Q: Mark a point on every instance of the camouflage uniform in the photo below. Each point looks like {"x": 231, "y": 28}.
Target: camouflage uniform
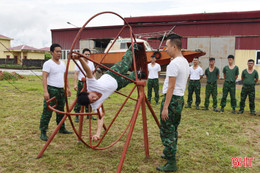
{"x": 229, "y": 86}
{"x": 194, "y": 85}
{"x": 77, "y": 106}
{"x": 122, "y": 67}
{"x": 47, "y": 114}
{"x": 211, "y": 87}
{"x": 168, "y": 130}
{"x": 153, "y": 83}
{"x": 248, "y": 89}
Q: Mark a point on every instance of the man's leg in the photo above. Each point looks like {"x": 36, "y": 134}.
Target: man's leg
{"x": 149, "y": 89}
{"x": 243, "y": 96}
{"x": 77, "y": 106}
{"x": 233, "y": 97}
{"x": 190, "y": 91}
{"x": 224, "y": 96}
{"x": 169, "y": 133}
{"x": 214, "y": 95}
{"x": 122, "y": 67}
{"x": 197, "y": 92}
{"x": 46, "y": 115}
{"x": 206, "y": 104}
{"x": 60, "y": 97}
{"x": 251, "y": 95}
{"x": 156, "y": 90}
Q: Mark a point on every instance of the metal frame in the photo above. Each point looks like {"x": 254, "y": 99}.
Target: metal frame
{"x": 141, "y": 101}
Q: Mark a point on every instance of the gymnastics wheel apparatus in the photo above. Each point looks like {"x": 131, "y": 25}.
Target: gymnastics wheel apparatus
{"x": 139, "y": 62}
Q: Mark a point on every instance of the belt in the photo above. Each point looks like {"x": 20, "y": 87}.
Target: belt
{"x": 230, "y": 81}
{"x": 195, "y": 80}
{"x": 211, "y": 82}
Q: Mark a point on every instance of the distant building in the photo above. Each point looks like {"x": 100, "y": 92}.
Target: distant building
{"x": 218, "y": 34}
{"x": 19, "y": 54}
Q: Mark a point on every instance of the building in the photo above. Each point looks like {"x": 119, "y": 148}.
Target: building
{"x": 218, "y": 34}
{"x": 22, "y": 54}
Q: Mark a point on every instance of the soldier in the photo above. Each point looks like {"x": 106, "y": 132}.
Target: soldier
{"x": 230, "y": 75}
{"x": 249, "y": 78}
{"x": 212, "y": 74}
{"x": 153, "y": 82}
{"x": 78, "y": 84}
{"x": 196, "y": 73}
{"x": 53, "y": 86}
{"x": 173, "y": 89}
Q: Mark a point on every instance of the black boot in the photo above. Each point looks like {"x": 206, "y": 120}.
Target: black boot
{"x": 64, "y": 131}
{"x": 43, "y": 136}
{"x": 170, "y": 166}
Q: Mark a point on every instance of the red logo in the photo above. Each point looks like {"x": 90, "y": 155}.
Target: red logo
{"x": 238, "y": 162}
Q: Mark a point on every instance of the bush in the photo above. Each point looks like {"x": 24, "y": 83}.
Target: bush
{"x": 10, "y": 76}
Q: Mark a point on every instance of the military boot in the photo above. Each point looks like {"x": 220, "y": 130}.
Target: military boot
{"x": 170, "y": 166}
{"x": 188, "y": 106}
{"x": 64, "y": 131}
{"x": 43, "y": 136}
{"x": 77, "y": 119}
{"x": 222, "y": 109}
{"x": 234, "y": 111}
{"x": 197, "y": 107}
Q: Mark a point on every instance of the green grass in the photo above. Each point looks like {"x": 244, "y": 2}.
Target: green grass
{"x": 208, "y": 139}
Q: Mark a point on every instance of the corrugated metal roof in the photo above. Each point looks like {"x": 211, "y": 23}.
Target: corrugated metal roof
{"x": 4, "y": 37}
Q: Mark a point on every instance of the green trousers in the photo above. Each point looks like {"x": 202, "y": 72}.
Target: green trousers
{"x": 194, "y": 85}
{"x": 47, "y": 114}
{"x": 122, "y": 67}
{"x": 153, "y": 84}
{"x": 211, "y": 89}
{"x": 168, "y": 130}
{"x": 229, "y": 87}
{"x": 250, "y": 91}
{"x": 78, "y": 106}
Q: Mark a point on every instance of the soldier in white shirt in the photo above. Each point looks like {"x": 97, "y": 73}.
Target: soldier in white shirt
{"x": 53, "y": 85}
{"x": 78, "y": 84}
{"x": 154, "y": 70}
{"x": 196, "y": 73}
{"x": 174, "y": 87}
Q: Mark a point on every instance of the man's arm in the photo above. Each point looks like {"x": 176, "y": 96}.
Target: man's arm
{"x": 76, "y": 73}
{"x": 171, "y": 86}
{"x": 44, "y": 84}
{"x": 68, "y": 86}
{"x": 86, "y": 68}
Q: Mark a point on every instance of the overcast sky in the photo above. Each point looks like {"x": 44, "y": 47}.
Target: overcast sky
{"x": 30, "y": 21}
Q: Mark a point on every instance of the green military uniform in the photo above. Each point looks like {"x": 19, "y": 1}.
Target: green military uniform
{"x": 168, "y": 130}
{"x": 248, "y": 89}
{"x": 122, "y": 67}
{"x": 229, "y": 86}
{"x": 194, "y": 85}
{"x": 211, "y": 87}
{"x": 153, "y": 83}
{"x": 47, "y": 114}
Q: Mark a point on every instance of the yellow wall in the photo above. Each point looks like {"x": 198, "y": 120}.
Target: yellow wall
{"x": 35, "y": 55}
{"x": 71, "y": 66}
{"x": 241, "y": 58}
{"x": 7, "y": 44}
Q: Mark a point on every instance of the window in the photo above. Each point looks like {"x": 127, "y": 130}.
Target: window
{"x": 7, "y": 56}
{"x": 257, "y": 58}
{"x": 65, "y": 53}
{"x": 123, "y": 46}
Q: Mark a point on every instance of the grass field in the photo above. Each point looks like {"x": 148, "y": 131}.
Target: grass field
{"x": 208, "y": 139}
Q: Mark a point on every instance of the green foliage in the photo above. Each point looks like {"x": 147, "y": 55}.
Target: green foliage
{"x": 9, "y": 76}
{"x": 47, "y": 56}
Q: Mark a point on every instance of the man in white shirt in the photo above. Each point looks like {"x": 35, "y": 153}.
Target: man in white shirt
{"x": 78, "y": 84}
{"x": 174, "y": 87}
{"x": 99, "y": 90}
{"x": 196, "y": 73}
{"x": 53, "y": 85}
{"x": 154, "y": 70}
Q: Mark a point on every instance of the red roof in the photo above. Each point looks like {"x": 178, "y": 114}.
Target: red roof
{"x": 23, "y": 47}
{"x": 2, "y": 36}
{"x": 45, "y": 49}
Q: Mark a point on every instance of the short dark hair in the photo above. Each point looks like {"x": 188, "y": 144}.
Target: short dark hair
{"x": 251, "y": 60}
{"x": 86, "y": 49}
{"x": 153, "y": 56}
{"x": 231, "y": 56}
{"x": 83, "y": 99}
{"x": 196, "y": 57}
{"x": 211, "y": 58}
{"x": 175, "y": 39}
{"x": 53, "y": 46}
